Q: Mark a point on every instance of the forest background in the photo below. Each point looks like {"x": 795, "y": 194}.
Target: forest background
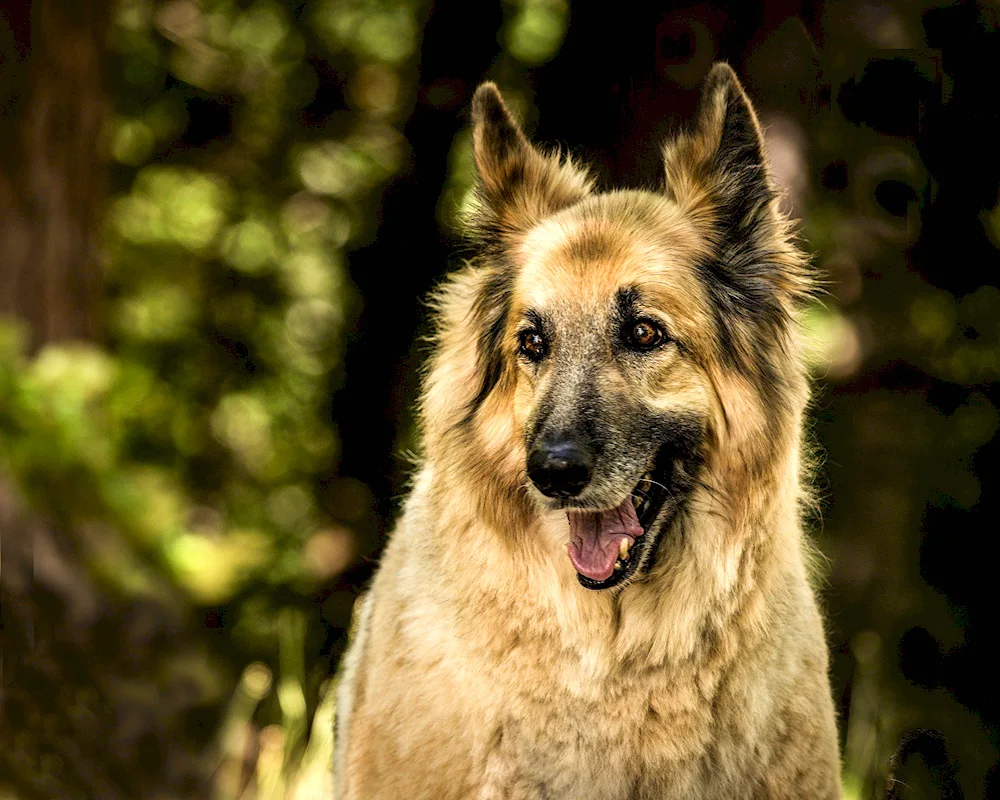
{"x": 218, "y": 222}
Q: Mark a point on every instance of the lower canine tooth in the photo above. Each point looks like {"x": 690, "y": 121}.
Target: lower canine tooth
{"x": 623, "y": 546}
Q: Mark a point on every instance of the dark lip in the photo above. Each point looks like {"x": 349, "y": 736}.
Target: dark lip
{"x": 644, "y": 547}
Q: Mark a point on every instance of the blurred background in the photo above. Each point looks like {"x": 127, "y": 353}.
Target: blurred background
{"x": 218, "y": 219}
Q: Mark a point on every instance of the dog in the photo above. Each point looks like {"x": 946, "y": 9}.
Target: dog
{"x": 600, "y": 587}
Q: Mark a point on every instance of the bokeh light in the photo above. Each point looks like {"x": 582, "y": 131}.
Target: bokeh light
{"x": 218, "y": 220}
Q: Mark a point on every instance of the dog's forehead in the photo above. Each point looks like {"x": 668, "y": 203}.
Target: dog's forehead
{"x": 585, "y": 259}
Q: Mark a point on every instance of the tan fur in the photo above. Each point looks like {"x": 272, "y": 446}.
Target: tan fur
{"x": 482, "y": 668}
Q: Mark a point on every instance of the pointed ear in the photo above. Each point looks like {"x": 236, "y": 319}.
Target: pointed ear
{"x": 725, "y": 152}
{"x": 518, "y": 185}
{"x": 719, "y": 174}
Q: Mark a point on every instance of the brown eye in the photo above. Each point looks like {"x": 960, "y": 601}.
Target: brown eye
{"x": 645, "y": 335}
{"x": 533, "y": 345}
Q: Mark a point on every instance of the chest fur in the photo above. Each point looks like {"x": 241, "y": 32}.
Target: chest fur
{"x": 557, "y": 722}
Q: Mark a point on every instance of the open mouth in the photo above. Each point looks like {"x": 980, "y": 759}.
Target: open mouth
{"x": 608, "y": 547}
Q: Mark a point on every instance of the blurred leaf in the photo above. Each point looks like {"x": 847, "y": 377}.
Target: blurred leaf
{"x": 536, "y": 29}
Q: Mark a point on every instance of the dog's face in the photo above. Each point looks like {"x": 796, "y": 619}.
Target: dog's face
{"x": 611, "y": 326}
{"x": 612, "y": 405}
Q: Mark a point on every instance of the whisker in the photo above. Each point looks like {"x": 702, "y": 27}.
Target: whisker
{"x": 657, "y": 483}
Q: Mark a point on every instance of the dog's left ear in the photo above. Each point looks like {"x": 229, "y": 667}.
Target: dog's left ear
{"x": 518, "y": 185}
{"x": 719, "y": 171}
{"x": 723, "y": 158}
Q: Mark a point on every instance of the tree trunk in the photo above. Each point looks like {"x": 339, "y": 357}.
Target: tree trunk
{"x": 55, "y": 718}
{"x": 52, "y": 176}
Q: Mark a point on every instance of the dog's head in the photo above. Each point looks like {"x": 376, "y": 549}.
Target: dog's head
{"x": 606, "y": 348}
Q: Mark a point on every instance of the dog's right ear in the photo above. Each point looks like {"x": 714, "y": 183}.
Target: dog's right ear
{"x": 518, "y": 185}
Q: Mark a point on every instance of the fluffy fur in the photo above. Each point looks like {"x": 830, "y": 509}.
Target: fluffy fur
{"x": 480, "y": 667}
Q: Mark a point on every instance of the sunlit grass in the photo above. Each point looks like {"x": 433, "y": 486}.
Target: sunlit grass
{"x": 278, "y": 761}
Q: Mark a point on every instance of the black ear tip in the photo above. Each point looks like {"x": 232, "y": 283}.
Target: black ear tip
{"x": 493, "y": 124}
{"x": 487, "y": 101}
{"x": 721, "y": 76}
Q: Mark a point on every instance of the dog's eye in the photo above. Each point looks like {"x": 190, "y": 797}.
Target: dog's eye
{"x": 533, "y": 345}
{"x": 646, "y": 335}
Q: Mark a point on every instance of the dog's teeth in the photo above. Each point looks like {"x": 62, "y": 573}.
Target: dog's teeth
{"x": 618, "y": 566}
{"x": 623, "y": 546}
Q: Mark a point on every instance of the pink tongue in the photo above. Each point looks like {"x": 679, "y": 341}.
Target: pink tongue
{"x": 594, "y": 538}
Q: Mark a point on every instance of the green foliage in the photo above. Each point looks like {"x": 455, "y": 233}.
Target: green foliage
{"x": 942, "y": 324}
{"x": 193, "y": 448}
{"x": 536, "y": 29}
{"x": 228, "y": 295}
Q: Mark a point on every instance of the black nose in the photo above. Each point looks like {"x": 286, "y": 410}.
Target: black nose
{"x": 560, "y": 468}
